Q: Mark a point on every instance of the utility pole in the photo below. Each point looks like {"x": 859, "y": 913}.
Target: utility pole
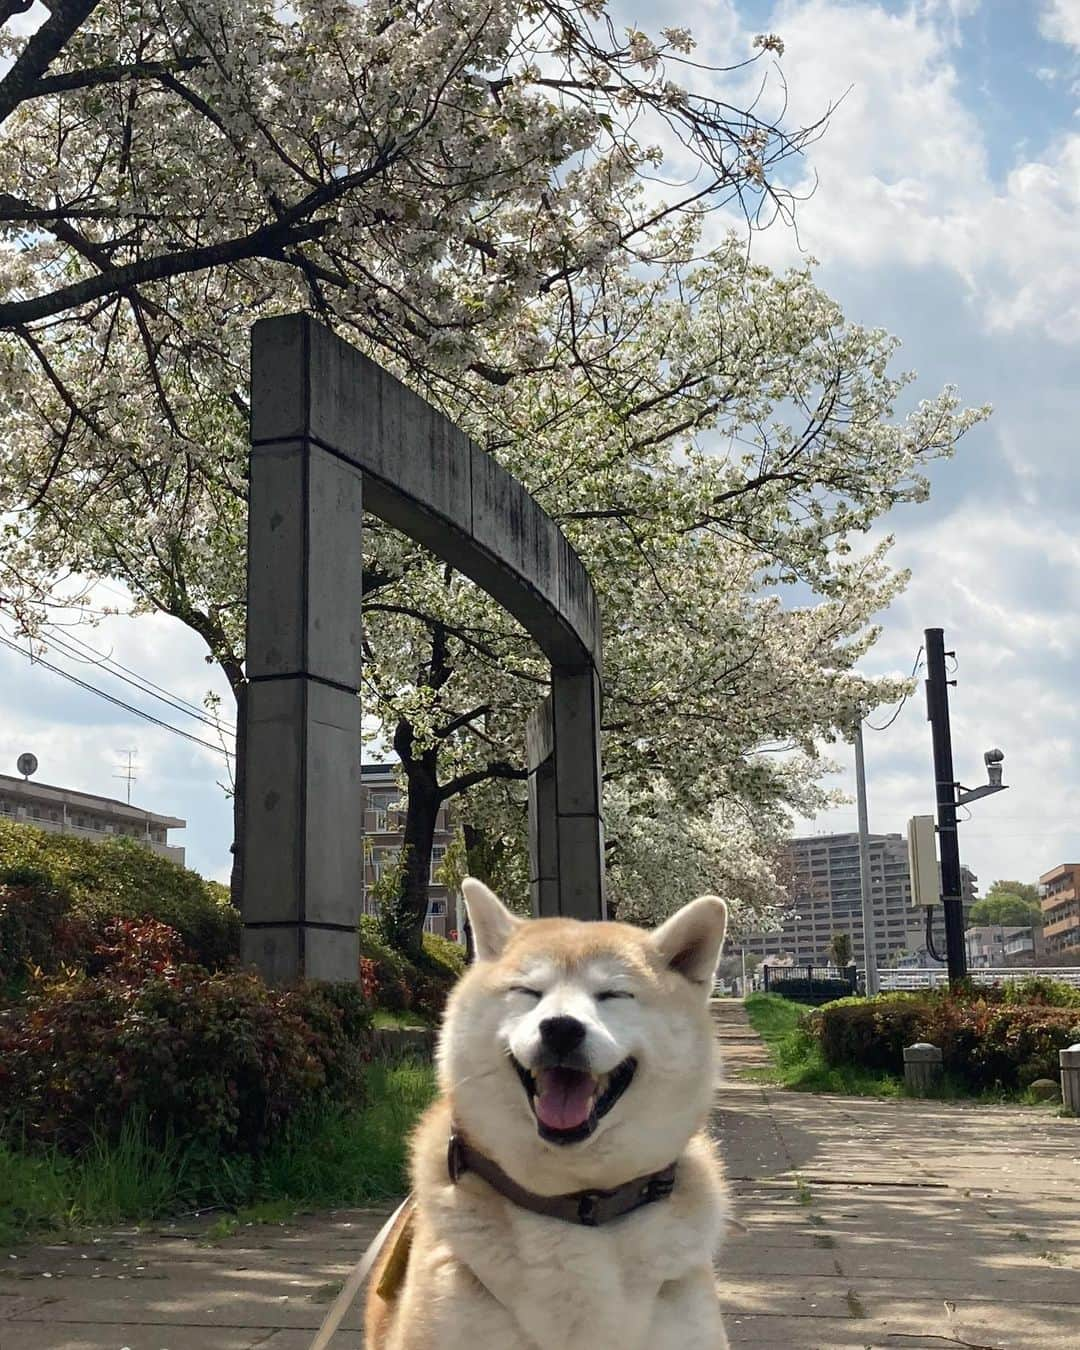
{"x": 869, "y": 945}
{"x": 937, "y": 712}
{"x": 129, "y": 776}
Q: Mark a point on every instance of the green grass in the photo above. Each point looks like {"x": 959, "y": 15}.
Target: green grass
{"x": 336, "y": 1158}
{"x": 799, "y": 1064}
{"x": 797, "y": 1059}
{"x": 383, "y": 1018}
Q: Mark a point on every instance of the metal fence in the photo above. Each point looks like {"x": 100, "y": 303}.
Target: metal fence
{"x": 930, "y": 979}
{"x": 809, "y": 983}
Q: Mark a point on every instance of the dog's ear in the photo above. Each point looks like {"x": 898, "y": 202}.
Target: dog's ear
{"x": 690, "y": 940}
{"x": 492, "y": 923}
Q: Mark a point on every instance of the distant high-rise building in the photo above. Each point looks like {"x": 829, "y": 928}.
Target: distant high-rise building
{"x": 823, "y": 881}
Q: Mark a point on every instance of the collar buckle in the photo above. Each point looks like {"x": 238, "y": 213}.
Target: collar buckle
{"x": 456, "y": 1162}
{"x": 588, "y": 1209}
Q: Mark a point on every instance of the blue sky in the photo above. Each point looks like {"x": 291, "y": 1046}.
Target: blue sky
{"x": 947, "y": 210}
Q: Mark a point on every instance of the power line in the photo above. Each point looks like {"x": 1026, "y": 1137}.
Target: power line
{"x": 119, "y": 702}
{"x": 140, "y": 682}
{"x": 900, "y": 706}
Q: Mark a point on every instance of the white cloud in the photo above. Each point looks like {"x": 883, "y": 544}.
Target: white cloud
{"x": 1059, "y": 21}
{"x": 902, "y": 174}
{"x": 81, "y": 740}
{"x": 974, "y": 574}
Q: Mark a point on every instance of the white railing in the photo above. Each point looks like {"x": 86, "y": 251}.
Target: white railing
{"x": 931, "y": 979}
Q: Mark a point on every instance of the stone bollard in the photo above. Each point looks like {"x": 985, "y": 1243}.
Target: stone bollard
{"x": 1070, "y": 1078}
{"x": 922, "y": 1068}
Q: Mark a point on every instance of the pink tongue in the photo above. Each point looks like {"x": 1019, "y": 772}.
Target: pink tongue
{"x": 564, "y": 1098}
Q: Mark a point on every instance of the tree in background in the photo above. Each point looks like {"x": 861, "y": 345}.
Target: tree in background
{"x": 840, "y": 950}
{"x": 422, "y": 178}
{"x": 1013, "y": 903}
{"x": 462, "y": 197}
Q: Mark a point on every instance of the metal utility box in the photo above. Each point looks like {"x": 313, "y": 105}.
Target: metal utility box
{"x": 922, "y": 862}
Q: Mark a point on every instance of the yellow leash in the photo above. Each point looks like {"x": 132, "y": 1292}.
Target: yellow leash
{"x": 357, "y": 1277}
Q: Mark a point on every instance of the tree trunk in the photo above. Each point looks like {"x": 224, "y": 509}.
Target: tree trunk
{"x": 403, "y": 917}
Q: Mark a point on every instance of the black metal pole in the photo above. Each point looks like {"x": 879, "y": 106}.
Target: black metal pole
{"x": 937, "y": 710}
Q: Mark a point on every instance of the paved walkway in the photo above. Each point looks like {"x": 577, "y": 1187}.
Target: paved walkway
{"x": 863, "y": 1224}
{"x": 895, "y": 1223}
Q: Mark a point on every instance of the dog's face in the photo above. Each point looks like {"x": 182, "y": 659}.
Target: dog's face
{"x": 574, "y": 1053}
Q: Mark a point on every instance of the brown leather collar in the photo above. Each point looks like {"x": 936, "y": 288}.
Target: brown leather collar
{"x": 591, "y": 1208}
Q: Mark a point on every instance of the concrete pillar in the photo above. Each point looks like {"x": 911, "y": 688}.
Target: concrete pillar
{"x": 1070, "y": 1078}
{"x": 303, "y": 814}
{"x": 922, "y": 1067}
{"x": 566, "y": 830}
{"x": 579, "y": 826}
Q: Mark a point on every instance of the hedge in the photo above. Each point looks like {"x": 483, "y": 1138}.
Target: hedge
{"x": 217, "y": 1058}
{"x": 390, "y": 980}
{"x": 58, "y": 891}
{"x": 988, "y": 1039}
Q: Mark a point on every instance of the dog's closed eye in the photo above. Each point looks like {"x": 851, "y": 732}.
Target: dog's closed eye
{"x": 605, "y": 994}
{"x": 524, "y": 989}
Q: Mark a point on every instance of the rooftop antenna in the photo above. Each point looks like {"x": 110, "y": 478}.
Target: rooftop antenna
{"x": 27, "y": 764}
{"x": 129, "y": 775}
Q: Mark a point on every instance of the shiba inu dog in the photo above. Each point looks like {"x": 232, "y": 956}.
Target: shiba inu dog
{"x": 565, "y": 1194}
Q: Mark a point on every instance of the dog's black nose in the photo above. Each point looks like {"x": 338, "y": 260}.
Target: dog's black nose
{"x": 561, "y": 1035}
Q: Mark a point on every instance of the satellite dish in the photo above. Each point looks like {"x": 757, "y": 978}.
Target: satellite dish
{"x": 27, "y": 764}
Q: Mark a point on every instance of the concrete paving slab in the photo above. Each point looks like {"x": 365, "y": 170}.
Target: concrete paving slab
{"x": 888, "y": 1225}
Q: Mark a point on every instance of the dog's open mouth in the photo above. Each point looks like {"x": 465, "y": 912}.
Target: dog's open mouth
{"x": 569, "y": 1103}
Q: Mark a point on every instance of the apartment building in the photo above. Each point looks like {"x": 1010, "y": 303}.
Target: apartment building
{"x": 997, "y": 945}
{"x": 824, "y": 883}
{"x": 64, "y": 811}
{"x": 384, "y": 821}
{"x": 1060, "y": 892}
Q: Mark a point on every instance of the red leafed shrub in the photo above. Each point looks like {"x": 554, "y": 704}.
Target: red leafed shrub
{"x": 134, "y": 949}
{"x": 58, "y": 892}
{"x": 391, "y": 981}
{"x": 214, "y": 1057}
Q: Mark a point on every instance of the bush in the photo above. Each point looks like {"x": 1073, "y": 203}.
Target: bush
{"x": 986, "y": 1042}
{"x": 58, "y": 892}
{"x": 216, "y": 1058}
{"x": 393, "y": 982}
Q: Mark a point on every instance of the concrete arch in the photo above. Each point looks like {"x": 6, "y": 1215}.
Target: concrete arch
{"x": 334, "y": 435}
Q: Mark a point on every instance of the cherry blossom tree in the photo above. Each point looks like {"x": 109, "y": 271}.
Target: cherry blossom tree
{"x": 460, "y": 189}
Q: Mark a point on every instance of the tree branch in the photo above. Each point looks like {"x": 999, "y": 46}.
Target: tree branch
{"x": 41, "y": 51}
{"x": 497, "y": 769}
{"x": 266, "y": 242}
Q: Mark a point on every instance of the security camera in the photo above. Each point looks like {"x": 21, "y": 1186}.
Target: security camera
{"x": 993, "y": 760}
{"x": 994, "y": 756}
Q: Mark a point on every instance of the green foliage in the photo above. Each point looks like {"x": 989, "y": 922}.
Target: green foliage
{"x": 1024, "y": 889}
{"x": 214, "y": 1059}
{"x": 989, "y": 1039}
{"x": 341, "y": 1156}
{"x": 840, "y": 950}
{"x": 798, "y": 1062}
{"x": 390, "y": 980}
{"x": 1008, "y": 909}
{"x": 57, "y": 892}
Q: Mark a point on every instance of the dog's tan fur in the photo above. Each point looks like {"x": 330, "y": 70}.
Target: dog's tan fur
{"x": 485, "y": 1274}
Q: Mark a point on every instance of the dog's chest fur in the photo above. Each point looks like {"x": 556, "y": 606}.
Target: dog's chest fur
{"x": 538, "y": 1282}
